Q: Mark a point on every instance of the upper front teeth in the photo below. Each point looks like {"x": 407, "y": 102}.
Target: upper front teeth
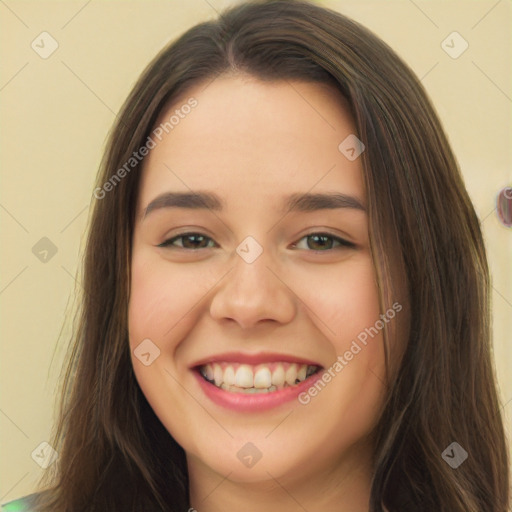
{"x": 262, "y": 376}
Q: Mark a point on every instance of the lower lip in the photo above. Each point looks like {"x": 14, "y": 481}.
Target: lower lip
{"x": 247, "y": 402}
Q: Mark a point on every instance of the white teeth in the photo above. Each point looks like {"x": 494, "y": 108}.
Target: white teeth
{"x": 218, "y": 374}
{"x": 291, "y": 374}
{"x": 209, "y": 373}
{"x": 261, "y": 378}
{"x": 278, "y": 377}
{"x": 229, "y": 376}
{"x": 243, "y": 377}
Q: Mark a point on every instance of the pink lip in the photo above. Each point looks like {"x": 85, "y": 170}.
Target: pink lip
{"x": 254, "y": 402}
{"x": 253, "y": 359}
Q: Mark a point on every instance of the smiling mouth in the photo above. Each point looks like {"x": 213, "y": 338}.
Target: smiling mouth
{"x": 260, "y": 378}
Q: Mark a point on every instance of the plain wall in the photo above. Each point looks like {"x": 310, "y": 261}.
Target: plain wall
{"x": 56, "y": 113}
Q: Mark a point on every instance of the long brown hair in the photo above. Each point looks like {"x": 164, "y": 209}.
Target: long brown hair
{"x": 114, "y": 454}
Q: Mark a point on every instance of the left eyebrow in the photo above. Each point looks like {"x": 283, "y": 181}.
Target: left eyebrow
{"x": 293, "y": 203}
{"x": 313, "y": 202}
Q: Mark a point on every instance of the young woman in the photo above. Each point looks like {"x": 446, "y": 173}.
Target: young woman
{"x": 286, "y": 289}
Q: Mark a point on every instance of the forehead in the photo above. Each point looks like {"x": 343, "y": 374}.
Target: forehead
{"x": 246, "y": 138}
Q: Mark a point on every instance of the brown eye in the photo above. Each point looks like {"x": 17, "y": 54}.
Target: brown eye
{"x": 189, "y": 241}
{"x": 323, "y": 242}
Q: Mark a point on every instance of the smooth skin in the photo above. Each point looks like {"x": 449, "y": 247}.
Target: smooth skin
{"x": 253, "y": 143}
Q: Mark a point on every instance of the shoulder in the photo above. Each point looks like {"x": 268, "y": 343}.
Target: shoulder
{"x": 24, "y": 504}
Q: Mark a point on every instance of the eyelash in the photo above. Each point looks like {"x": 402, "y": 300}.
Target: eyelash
{"x": 343, "y": 243}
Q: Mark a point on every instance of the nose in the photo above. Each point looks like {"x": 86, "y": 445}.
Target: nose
{"x": 253, "y": 293}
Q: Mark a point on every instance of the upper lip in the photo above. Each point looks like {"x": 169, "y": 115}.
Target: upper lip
{"x": 253, "y": 359}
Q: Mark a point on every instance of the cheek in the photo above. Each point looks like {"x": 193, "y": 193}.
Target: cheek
{"x": 343, "y": 299}
{"x": 162, "y": 297}
{"x": 360, "y": 383}
{"x": 149, "y": 299}
{"x": 359, "y": 288}
{"x": 360, "y": 313}
{"x": 360, "y": 338}
{"x": 161, "y": 309}
{"x": 349, "y": 308}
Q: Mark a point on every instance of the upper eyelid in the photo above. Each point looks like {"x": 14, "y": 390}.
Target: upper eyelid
{"x": 325, "y": 233}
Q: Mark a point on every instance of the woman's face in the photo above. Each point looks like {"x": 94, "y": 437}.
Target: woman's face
{"x": 264, "y": 282}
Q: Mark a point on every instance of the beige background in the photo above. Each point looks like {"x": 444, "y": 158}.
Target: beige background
{"x": 57, "y": 111}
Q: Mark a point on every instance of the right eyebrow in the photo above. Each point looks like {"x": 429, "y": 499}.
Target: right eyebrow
{"x": 194, "y": 200}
